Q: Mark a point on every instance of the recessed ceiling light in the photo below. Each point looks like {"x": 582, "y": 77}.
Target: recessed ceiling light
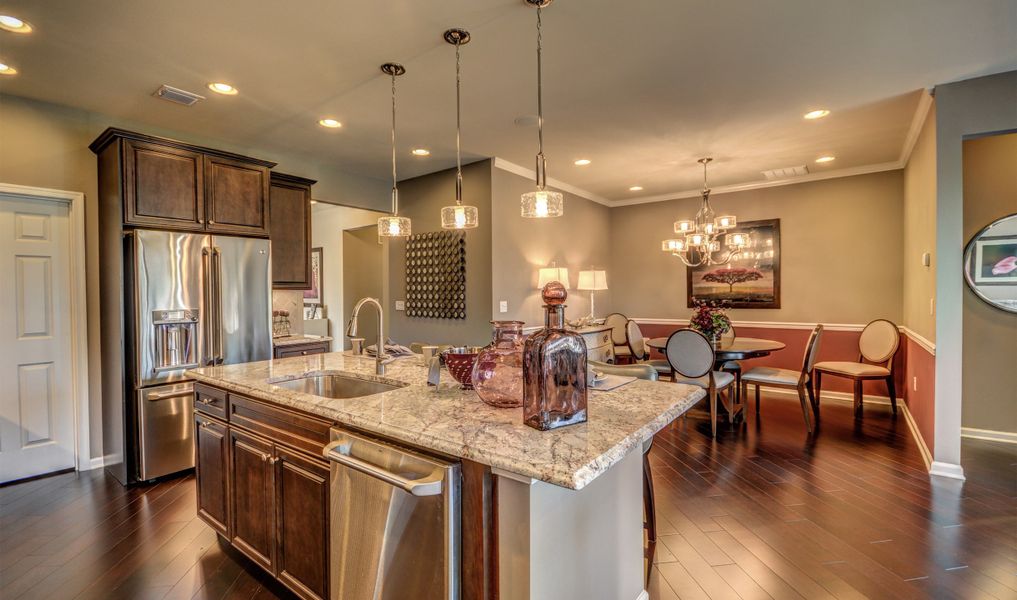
{"x": 582, "y": 162}
{"x": 826, "y": 159}
{"x": 223, "y": 88}
{"x": 7, "y": 69}
{"x": 819, "y": 113}
{"x": 421, "y": 152}
{"x": 636, "y": 188}
{"x": 330, "y": 123}
{"x": 14, "y": 24}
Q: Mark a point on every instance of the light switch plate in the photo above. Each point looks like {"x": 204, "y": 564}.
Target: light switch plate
{"x": 503, "y": 306}
{"x": 400, "y": 305}
{"x": 926, "y": 259}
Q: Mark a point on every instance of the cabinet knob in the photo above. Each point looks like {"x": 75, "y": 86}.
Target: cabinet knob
{"x": 204, "y": 424}
{"x": 303, "y": 353}
{"x": 201, "y": 221}
{"x": 273, "y": 460}
{"x": 206, "y": 401}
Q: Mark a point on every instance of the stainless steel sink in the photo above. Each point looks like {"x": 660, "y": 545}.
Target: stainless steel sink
{"x": 336, "y": 386}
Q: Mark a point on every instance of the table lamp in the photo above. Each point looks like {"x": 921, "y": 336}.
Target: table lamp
{"x": 592, "y": 281}
{"x": 549, "y": 274}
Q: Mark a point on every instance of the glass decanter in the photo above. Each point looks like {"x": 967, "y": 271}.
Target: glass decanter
{"x": 498, "y": 372}
{"x": 554, "y": 368}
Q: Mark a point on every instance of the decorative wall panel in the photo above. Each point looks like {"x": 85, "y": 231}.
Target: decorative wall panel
{"x": 436, "y": 275}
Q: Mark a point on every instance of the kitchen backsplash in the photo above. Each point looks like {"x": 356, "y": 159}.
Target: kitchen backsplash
{"x": 292, "y": 301}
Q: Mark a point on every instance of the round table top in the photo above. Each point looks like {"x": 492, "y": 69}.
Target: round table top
{"x": 733, "y": 349}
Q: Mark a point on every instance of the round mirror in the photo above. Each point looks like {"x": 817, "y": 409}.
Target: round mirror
{"x": 990, "y": 263}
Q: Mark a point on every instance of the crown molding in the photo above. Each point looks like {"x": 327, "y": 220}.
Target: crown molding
{"x": 917, "y": 121}
{"x": 511, "y": 167}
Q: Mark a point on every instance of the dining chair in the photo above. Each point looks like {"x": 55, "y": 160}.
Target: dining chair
{"x": 732, "y": 366}
{"x": 789, "y": 378}
{"x": 876, "y": 348}
{"x": 617, "y": 322}
{"x": 639, "y": 371}
{"x": 691, "y": 357}
{"x": 636, "y": 344}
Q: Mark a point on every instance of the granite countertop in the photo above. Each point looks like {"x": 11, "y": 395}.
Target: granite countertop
{"x": 295, "y": 340}
{"x": 457, "y": 423}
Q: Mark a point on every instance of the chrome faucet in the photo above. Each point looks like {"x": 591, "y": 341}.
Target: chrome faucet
{"x": 351, "y": 332}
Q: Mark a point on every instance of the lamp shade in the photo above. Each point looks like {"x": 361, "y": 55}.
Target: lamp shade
{"x": 592, "y": 281}
{"x": 549, "y": 274}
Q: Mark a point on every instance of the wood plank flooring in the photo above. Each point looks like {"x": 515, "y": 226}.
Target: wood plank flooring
{"x": 763, "y": 512}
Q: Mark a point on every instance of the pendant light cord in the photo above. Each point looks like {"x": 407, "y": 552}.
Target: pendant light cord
{"x": 459, "y": 155}
{"x": 395, "y": 190}
{"x": 541, "y": 161}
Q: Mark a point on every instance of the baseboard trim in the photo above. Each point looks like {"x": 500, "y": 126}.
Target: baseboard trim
{"x": 917, "y": 435}
{"x": 95, "y": 463}
{"x": 643, "y": 595}
{"x": 1006, "y": 437}
{"x": 949, "y": 470}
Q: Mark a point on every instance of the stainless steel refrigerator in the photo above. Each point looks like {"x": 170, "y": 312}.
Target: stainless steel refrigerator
{"x": 190, "y": 300}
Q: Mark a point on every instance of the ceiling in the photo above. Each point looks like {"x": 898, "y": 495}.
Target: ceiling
{"x": 642, "y": 88}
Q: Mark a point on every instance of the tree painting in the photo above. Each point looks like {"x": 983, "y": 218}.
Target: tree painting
{"x": 733, "y": 276}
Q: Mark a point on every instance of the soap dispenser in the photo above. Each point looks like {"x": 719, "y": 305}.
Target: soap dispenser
{"x": 554, "y": 368}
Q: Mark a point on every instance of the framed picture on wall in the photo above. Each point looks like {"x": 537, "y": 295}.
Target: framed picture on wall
{"x": 313, "y": 295}
{"x": 750, "y": 281}
{"x": 995, "y": 260}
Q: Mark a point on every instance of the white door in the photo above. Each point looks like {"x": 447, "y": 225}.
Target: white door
{"x": 36, "y": 395}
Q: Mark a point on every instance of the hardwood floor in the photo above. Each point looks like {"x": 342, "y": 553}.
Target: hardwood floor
{"x": 763, "y": 512}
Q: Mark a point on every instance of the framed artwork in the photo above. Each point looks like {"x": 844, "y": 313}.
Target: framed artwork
{"x": 436, "y": 275}
{"x": 750, "y": 281}
{"x": 313, "y": 295}
{"x": 995, "y": 260}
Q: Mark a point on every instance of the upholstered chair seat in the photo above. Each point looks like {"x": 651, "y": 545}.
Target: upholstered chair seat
{"x": 853, "y": 369}
{"x": 773, "y": 375}
{"x": 721, "y": 379}
{"x": 876, "y": 348}
{"x": 800, "y": 380}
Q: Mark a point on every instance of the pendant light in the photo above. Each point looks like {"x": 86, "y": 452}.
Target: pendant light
{"x": 394, "y": 226}
{"x": 458, "y": 216}
{"x": 542, "y": 203}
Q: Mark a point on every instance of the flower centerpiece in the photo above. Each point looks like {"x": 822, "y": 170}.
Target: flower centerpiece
{"x": 711, "y": 320}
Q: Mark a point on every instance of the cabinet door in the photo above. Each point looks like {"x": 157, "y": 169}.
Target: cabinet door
{"x": 236, "y": 198}
{"x": 212, "y": 472}
{"x": 163, "y": 186}
{"x": 252, "y": 488}
{"x": 290, "y": 220}
{"x": 302, "y": 500}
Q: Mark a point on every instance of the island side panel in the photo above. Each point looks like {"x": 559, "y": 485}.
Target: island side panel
{"x": 573, "y": 544}
{"x": 479, "y": 570}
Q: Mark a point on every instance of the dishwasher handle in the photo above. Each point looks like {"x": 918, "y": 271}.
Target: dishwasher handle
{"x": 431, "y": 485}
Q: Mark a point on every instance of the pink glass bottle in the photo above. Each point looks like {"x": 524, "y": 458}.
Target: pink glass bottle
{"x": 498, "y": 372}
{"x": 554, "y": 368}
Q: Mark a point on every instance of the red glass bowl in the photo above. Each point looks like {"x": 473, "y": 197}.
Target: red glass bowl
{"x": 459, "y": 362}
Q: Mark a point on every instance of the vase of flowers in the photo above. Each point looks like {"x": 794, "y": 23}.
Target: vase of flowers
{"x": 711, "y": 320}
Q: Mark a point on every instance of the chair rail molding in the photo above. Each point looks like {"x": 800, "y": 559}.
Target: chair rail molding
{"x": 75, "y": 202}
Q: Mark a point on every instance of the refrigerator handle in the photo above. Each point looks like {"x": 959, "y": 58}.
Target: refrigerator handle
{"x": 208, "y": 320}
{"x": 217, "y": 300}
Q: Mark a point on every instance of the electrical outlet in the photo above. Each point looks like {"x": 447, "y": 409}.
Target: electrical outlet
{"x": 503, "y": 306}
{"x": 914, "y": 383}
{"x": 400, "y": 305}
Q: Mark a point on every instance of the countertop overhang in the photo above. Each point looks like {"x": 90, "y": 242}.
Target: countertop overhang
{"x": 457, "y": 423}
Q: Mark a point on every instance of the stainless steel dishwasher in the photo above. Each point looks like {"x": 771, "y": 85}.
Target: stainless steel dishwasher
{"x": 394, "y": 520}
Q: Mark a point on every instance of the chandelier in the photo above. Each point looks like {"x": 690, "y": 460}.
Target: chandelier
{"x": 459, "y": 216}
{"x": 701, "y": 241}
{"x": 394, "y": 226}
{"x": 542, "y": 203}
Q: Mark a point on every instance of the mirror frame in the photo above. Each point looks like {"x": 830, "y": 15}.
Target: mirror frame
{"x": 969, "y": 250}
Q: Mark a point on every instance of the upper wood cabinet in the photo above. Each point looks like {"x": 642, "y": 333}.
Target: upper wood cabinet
{"x": 168, "y": 184}
{"x": 290, "y": 232}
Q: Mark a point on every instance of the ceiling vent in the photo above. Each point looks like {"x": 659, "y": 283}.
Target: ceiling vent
{"x": 177, "y": 95}
{"x": 786, "y": 172}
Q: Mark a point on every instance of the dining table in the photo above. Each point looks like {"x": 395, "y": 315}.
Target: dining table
{"x": 732, "y": 349}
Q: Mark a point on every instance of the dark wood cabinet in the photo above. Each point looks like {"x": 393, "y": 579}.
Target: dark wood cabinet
{"x": 212, "y": 472}
{"x": 252, "y": 494}
{"x": 290, "y": 231}
{"x": 163, "y": 186}
{"x": 167, "y": 184}
{"x": 302, "y": 486}
{"x": 236, "y": 196}
{"x": 301, "y": 349}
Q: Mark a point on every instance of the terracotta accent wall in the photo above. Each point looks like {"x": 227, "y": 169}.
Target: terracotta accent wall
{"x": 920, "y": 366}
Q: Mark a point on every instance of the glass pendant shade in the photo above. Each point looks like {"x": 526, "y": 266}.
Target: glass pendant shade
{"x": 543, "y": 204}
{"x": 684, "y": 226}
{"x": 737, "y": 240}
{"x": 459, "y": 217}
{"x": 727, "y": 221}
{"x": 673, "y": 245}
{"x": 695, "y": 240}
{"x": 394, "y": 226}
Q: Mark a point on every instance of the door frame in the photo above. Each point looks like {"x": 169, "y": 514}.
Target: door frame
{"x": 75, "y": 203}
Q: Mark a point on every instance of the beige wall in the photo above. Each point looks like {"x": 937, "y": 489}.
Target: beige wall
{"x": 521, "y": 246}
{"x": 920, "y": 232}
{"x": 421, "y": 199}
{"x": 840, "y": 251}
{"x": 363, "y": 277}
{"x": 990, "y": 334}
{"x": 46, "y": 145}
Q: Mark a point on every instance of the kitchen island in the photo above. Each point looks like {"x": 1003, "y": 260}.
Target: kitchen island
{"x": 553, "y": 514}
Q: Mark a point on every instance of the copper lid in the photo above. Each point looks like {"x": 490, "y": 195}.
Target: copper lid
{"x": 554, "y": 294}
